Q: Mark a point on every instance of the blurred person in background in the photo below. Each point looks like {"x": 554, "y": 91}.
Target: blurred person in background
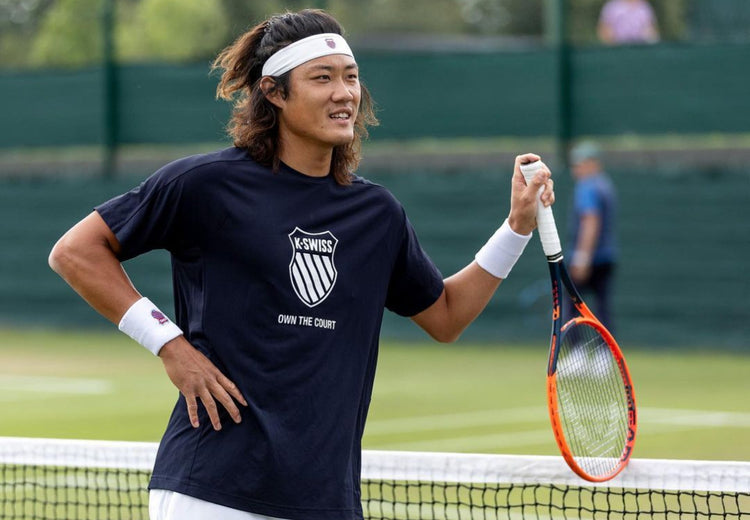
{"x": 627, "y": 21}
{"x": 592, "y": 224}
{"x": 283, "y": 262}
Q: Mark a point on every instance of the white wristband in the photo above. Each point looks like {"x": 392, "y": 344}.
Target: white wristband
{"x": 146, "y": 324}
{"x": 502, "y": 250}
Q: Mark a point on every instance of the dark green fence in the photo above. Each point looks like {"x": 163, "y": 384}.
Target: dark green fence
{"x": 681, "y": 89}
{"x": 52, "y": 108}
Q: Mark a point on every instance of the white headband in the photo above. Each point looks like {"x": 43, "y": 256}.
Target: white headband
{"x": 304, "y": 50}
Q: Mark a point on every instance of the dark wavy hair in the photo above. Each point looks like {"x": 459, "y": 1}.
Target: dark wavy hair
{"x": 254, "y": 125}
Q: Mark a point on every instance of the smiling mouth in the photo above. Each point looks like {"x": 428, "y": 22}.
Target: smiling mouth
{"x": 341, "y": 116}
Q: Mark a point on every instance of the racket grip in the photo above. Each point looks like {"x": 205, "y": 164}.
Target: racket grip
{"x": 545, "y": 219}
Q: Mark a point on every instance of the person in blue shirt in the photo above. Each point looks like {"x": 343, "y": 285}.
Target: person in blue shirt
{"x": 283, "y": 262}
{"x": 593, "y": 229}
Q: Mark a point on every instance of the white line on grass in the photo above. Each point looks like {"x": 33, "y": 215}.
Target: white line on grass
{"x": 426, "y": 423}
{"x": 13, "y": 387}
{"x": 492, "y": 441}
{"x": 696, "y": 418}
{"x": 531, "y": 414}
{"x": 653, "y": 420}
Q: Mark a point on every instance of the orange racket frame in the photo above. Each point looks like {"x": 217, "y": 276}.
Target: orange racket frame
{"x": 559, "y": 275}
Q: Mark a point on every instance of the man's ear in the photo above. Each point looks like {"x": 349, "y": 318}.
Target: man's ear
{"x": 272, "y": 94}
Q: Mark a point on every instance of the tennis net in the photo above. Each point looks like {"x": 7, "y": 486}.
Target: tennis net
{"x": 44, "y": 479}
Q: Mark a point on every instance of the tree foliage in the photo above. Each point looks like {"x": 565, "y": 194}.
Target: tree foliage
{"x": 467, "y": 17}
{"x": 70, "y": 35}
{"x": 69, "y": 32}
{"x": 174, "y": 30}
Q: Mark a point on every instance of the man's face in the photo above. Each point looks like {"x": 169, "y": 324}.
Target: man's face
{"x": 585, "y": 168}
{"x": 323, "y": 101}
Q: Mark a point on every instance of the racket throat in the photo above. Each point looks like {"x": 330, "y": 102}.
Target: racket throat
{"x": 556, "y": 317}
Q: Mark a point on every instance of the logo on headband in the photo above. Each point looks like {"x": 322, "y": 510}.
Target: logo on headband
{"x": 331, "y": 43}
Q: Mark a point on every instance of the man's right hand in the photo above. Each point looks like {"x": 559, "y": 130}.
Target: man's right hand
{"x": 523, "y": 200}
{"x": 197, "y": 378}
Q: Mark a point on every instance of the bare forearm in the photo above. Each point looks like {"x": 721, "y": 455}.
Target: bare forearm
{"x": 85, "y": 259}
{"x": 467, "y": 293}
{"x": 465, "y": 296}
{"x": 588, "y": 236}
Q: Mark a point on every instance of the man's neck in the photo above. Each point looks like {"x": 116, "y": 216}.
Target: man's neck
{"x": 306, "y": 158}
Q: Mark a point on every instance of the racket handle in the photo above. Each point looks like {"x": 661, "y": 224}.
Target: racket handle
{"x": 545, "y": 220}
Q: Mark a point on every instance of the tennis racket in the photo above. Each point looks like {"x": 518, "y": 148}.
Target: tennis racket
{"x": 589, "y": 390}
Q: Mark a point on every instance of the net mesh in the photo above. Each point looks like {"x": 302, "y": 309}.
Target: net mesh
{"x": 72, "y": 480}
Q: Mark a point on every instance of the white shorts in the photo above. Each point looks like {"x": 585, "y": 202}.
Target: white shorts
{"x": 168, "y": 505}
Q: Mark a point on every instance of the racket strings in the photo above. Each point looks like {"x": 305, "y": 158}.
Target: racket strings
{"x": 591, "y": 400}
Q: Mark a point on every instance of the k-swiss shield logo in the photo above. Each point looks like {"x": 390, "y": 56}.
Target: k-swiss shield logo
{"x": 312, "y": 271}
{"x": 331, "y": 43}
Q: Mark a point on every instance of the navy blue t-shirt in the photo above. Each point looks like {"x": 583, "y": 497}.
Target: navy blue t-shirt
{"x": 281, "y": 280}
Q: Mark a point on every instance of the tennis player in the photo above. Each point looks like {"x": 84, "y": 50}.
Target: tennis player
{"x": 283, "y": 262}
{"x": 592, "y": 225}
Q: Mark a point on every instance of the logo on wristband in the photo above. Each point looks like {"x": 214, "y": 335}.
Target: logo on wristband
{"x": 158, "y": 316}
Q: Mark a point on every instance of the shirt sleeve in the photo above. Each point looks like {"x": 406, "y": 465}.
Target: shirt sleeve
{"x": 149, "y": 216}
{"x": 586, "y": 200}
{"x": 415, "y": 282}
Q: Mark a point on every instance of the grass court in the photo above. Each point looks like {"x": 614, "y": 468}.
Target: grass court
{"x": 485, "y": 398}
